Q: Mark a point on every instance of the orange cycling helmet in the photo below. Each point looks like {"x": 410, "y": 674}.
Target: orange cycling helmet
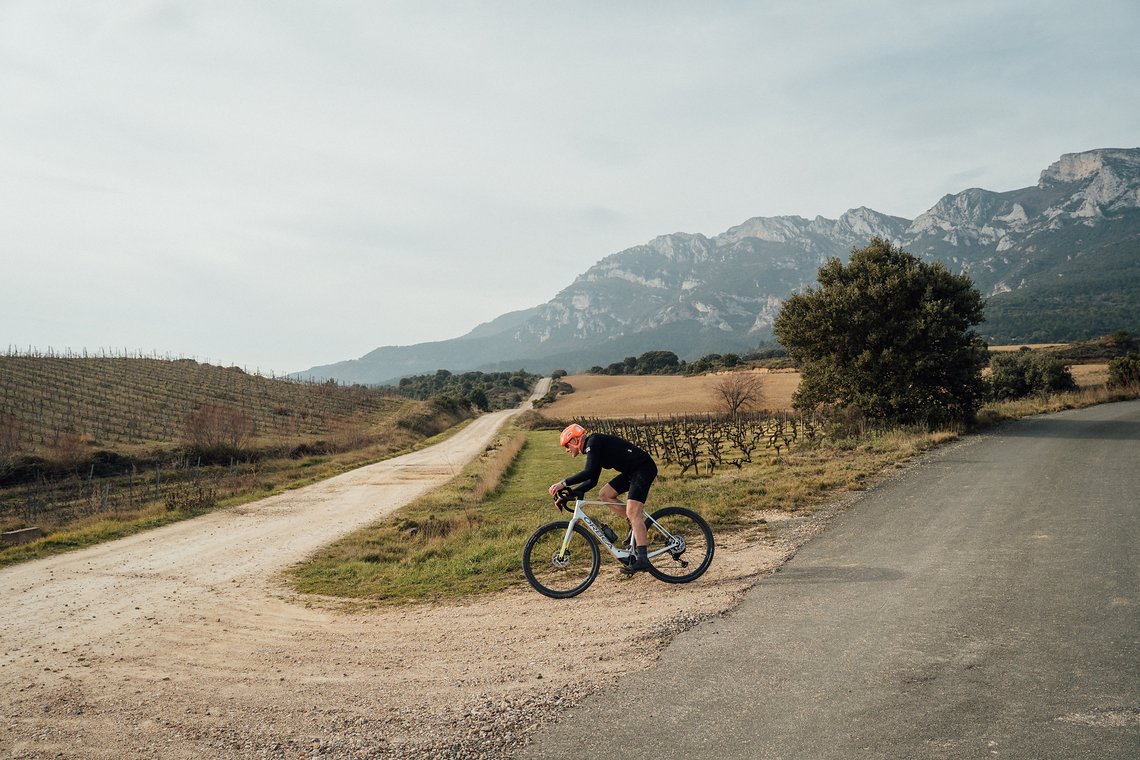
{"x": 574, "y": 432}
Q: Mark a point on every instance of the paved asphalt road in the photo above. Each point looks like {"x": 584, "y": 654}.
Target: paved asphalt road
{"x": 985, "y": 604}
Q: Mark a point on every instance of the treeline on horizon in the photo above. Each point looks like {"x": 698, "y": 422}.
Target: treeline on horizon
{"x": 485, "y": 391}
{"x": 1109, "y": 345}
{"x": 668, "y": 363}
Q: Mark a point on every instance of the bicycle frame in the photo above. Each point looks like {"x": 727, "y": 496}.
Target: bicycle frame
{"x": 618, "y": 554}
{"x": 561, "y": 558}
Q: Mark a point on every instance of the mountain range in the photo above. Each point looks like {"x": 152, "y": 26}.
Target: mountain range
{"x": 1058, "y": 261}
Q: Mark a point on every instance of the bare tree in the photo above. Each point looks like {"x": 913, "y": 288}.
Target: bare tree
{"x": 70, "y": 451}
{"x": 217, "y": 429}
{"x": 737, "y": 391}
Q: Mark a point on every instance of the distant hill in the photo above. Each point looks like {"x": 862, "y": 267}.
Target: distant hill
{"x": 1059, "y": 261}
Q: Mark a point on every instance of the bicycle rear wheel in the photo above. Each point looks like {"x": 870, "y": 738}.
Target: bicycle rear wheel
{"x": 684, "y": 542}
{"x": 557, "y": 574}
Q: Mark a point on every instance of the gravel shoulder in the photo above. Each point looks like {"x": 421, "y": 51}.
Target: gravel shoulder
{"x": 184, "y": 642}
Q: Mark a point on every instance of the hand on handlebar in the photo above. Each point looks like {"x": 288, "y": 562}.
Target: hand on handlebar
{"x": 563, "y": 496}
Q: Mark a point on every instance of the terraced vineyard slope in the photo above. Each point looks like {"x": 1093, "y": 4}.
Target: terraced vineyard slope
{"x": 107, "y": 445}
{"x": 135, "y": 404}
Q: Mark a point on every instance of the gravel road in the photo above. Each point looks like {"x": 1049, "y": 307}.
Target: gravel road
{"x": 183, "y": 642}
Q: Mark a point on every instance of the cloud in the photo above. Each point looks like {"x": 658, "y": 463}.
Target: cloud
{"x": 283, "y": 182}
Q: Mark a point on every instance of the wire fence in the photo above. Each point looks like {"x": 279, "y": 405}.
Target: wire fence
{"x": 180, "y": 485}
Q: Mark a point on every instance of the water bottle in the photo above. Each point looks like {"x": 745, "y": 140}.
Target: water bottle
{"x": 609, "y": 533}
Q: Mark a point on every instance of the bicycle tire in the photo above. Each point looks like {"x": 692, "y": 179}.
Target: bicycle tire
{"x": 696, "y": 553}
{"x": 560, "y": 578}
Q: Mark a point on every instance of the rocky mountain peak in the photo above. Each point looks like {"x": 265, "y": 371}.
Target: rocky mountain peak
{"x": 681, "y": 246}
{"x": 775, "y": 229}
{"x": 1107, "y": 180}
{"x": 864, "y": 223}
{"x": 969, "y": 208}
{"x": 854, "y": 226}
{"x": 1077, "y": 167}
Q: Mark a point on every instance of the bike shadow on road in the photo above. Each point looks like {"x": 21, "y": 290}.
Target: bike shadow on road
{"x": 837, "y": 574}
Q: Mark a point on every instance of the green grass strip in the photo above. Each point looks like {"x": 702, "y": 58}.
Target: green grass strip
{"x": 447, "y": 545}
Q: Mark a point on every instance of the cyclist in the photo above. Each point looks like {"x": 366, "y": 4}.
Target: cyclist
{"x": 636, "y": 471}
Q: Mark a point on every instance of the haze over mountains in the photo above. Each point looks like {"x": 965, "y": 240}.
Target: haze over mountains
{"x": 1057, "y": 261}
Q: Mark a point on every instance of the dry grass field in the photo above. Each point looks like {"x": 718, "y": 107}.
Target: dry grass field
{"x": 1089, "y": 375}
{"x": 667, "y": 395}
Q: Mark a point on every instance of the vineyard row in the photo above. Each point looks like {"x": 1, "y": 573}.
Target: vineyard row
{"x": 118, "y": 401}
{"x": 181, "y": 485}
{"x": 706, "y": 443}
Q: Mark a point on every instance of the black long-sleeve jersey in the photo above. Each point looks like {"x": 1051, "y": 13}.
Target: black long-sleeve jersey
{"x": 607, "y": 452}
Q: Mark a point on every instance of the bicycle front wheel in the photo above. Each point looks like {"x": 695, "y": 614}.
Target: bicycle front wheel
{"x": 680, "y": 545}
{"x": 556, "y": 573}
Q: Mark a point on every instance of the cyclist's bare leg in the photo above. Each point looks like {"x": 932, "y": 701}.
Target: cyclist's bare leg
{"x": 609, "y": 494}
{"x": 635, "y": 513}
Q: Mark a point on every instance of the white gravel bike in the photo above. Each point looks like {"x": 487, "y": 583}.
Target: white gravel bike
{"x": 562, "y": 558}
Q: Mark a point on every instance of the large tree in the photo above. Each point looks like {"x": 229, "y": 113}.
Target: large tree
{"x": 888, "y": 334}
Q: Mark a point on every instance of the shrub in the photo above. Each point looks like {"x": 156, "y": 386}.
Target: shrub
{"x": 649, "y": 363}
{"x": 1120, "y": 339}
{"x": 1026, "y": 373}
{"x": 70, "y": 452}
{"x": 427, "y": 418}
{"x": 478, "y": 399}
{"x": 557, "y": 388}
{"x": 216, "y": 432}
{"x": 532, "y": 420}
{"x": 1124, "y": 370}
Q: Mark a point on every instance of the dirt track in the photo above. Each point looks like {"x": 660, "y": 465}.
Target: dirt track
{"x": 183, "y": 642}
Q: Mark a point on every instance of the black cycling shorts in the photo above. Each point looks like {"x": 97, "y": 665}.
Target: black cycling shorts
{"x": 636, "y": 482}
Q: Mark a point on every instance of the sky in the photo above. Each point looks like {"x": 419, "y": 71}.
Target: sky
{"x": 277, "y": 184}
